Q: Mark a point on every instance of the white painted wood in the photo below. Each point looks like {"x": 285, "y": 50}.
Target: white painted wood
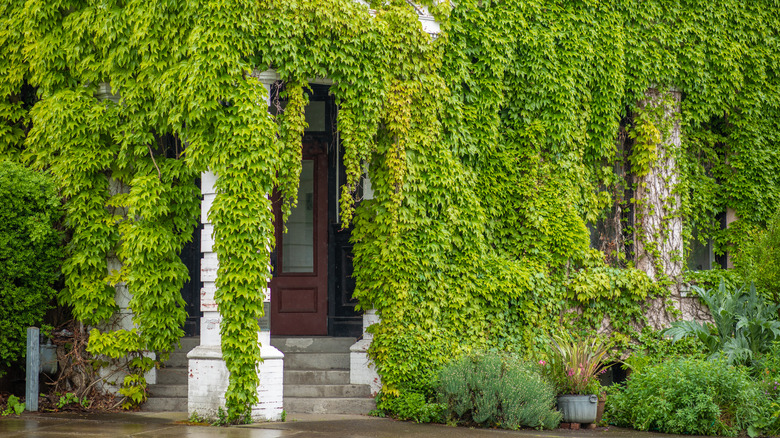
{"x": 207, "y": 238}
{"x": 205, "y": 206}
{"x": 209, "y": 328}
{"x": 207, "y": 180}
{"x": 208, "y": 267}
{"x": 207, "y": 303}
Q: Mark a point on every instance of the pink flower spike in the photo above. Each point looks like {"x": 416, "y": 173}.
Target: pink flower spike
{"x": 542, "y": 363}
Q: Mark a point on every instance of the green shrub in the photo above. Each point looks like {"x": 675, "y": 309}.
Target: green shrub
{"x": 656, "y": 344}
{"x": 711, "y": 278}
{"x": 492, "y": 390}
{"x": 411, "y": 405}
{"x": 689, "y": 396}
{"x": 759, "y": 259}
{"x": 654, "y": 347}
{"x": 768, "y": 374}
{"x": 29, "y": 255}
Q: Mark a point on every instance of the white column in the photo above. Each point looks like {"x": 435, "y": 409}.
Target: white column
{"x": 208, "y": 375}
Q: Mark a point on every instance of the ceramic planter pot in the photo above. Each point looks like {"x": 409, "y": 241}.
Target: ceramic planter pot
{"x": 578, "y": 408}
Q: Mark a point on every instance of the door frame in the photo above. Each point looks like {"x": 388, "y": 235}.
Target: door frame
{"x": 341, "y": 317}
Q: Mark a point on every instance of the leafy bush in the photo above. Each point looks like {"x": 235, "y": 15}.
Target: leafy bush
{"x": 29, "y": 255}
{"x": 759, "y": 259}
{"x": 689, "y": 396}
{"x": 769, "y": 372}
{"x": 654, "y": 347}
{"x": 411, "y": 405}
{"x": 711, "y": 278}
{"x": 492, "y": 390}
{"x": 769, "y": 382}
{"x": 70, "y": 398}
{"x": 656, "y": 344}
{"x": 745, "y": 324}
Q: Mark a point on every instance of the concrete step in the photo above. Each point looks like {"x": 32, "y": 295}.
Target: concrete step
{"x": 165, "y": 404}
{"x": 316, "y": 361}
{"x": 327, "y": 391}
{"x": 354, "y": 406}
{"x": 178, "y": 357}
{"x": 177, "y": 360}
{"x": 316, "y": 377}
{"x": 169, "y": 394}
{"x": 188, "y": 343}
{"x": 316, "y": 344}
{"x": 172, "y": 376}
{"x": 167, "y": 391}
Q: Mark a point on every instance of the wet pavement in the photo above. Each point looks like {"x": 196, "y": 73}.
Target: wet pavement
{"x": 170, "y": 425}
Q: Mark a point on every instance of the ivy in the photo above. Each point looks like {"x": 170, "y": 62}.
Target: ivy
{"x": 491, "y": 147}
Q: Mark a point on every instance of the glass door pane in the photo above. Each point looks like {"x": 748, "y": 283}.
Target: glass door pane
{"x": 298, "y": 242}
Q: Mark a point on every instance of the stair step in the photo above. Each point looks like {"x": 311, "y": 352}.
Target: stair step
{"x": 187, "y": 344}
{"x": 327, "y": 391}
{"x": 167, "y": 391}
{"x": 324, "y": 344}
{"x": 165, "y": 404}
{"x": 177, "y": 359}
{"x": 354, "y": 406}
{"x": 316, "y": 361}
{"x": 316, "y": 377}
{"x": 172, "y": 376}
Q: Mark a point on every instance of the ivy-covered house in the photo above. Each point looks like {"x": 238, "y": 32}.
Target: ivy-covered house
{"x": 457, "y": 178}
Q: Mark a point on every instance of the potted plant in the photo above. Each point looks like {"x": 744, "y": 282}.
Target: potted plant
{"x": 573, "y": 366}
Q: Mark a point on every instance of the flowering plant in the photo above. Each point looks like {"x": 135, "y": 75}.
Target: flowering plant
{"x": 573, "y": 365}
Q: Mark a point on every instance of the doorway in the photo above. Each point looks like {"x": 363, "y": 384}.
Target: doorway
{"x": 312, "y": 285}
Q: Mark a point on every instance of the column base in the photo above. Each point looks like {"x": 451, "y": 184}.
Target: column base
{"x": 208, "y": 382}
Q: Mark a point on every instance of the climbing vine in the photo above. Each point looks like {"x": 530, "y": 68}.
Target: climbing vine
{"x": 493, "y": 147}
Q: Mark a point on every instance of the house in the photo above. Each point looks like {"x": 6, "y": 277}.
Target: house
{"x": 310, "y": 295}
{"x": 505, "y": 154}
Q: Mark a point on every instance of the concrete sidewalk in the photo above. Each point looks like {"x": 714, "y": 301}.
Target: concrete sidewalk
{"x": 170, "y": 425}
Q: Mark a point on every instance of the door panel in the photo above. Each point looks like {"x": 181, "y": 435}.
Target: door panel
{"x": 299, "y": 299}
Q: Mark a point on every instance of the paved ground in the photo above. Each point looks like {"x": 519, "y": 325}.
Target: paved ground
{"x": 170, "y": 425}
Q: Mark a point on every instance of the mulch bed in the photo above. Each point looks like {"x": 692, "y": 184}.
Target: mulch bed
{"x": 95, "y": 402}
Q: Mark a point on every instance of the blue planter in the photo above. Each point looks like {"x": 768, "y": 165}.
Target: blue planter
{"x": 578, "y": 408}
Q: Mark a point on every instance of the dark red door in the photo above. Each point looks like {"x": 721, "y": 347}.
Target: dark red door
{"x": 299, "y": 287}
